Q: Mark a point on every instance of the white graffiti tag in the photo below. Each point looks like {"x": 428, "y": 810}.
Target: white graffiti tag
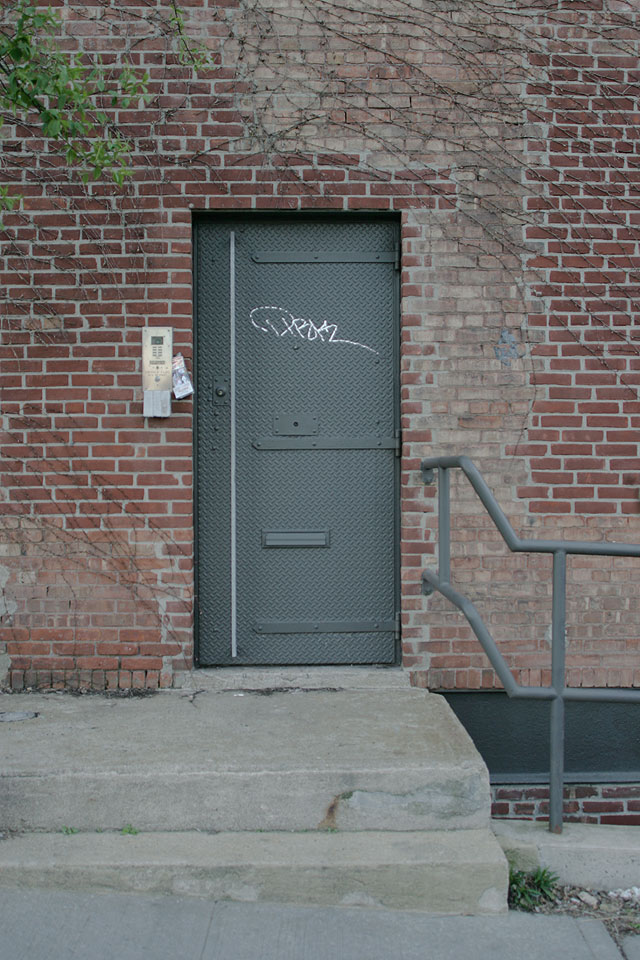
{"x": 279, "y": 321}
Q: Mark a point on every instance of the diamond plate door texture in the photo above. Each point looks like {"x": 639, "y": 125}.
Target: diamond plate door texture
{"x": 315, "y": 400}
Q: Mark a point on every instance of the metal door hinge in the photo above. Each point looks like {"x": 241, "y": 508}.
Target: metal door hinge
{"x": 398, "y": 442}
{"x": 396, "y": 262}
{"x": 397, "y": 630}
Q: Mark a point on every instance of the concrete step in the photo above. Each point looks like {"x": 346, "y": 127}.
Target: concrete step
{"x": 229, "y": 758}
{"x": 445, "y": 872}
{"x": 591, "y": 855}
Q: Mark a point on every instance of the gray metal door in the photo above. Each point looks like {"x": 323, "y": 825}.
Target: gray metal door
{"x": 296, "y": 440}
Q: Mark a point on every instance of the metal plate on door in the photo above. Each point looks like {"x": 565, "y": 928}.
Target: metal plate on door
{"x": 221, "y": 393}
{"x": 298, "y": 425}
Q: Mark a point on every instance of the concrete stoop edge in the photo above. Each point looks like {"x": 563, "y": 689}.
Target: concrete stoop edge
{"x": 440, "y": 872}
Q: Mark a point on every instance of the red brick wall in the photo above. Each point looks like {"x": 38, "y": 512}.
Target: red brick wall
{"x": 583, "y": 434}
{"x": 583, "y": 803}
{"x": 517, "y": 315}
{"x": 574, "y": 462}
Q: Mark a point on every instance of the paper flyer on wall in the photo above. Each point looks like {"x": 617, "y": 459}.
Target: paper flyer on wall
{"x": 182, "y": 386}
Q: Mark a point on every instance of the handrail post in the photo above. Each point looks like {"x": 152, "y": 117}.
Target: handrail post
{"x": 444, "y": 525}
{"x": 558, "y": 658}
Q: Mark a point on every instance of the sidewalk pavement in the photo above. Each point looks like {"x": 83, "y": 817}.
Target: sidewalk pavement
{"x": 65, "y": 925}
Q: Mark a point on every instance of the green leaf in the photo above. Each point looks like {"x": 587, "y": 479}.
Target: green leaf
{"x": 526, "y": 890}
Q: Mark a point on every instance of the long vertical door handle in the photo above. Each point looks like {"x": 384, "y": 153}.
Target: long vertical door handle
{"x": 232, "y": 439}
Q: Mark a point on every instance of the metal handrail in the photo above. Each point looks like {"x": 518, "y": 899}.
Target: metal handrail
{"x": 439, "y": 580}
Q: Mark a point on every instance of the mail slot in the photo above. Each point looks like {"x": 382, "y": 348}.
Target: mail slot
{"x": 295, "y": 538}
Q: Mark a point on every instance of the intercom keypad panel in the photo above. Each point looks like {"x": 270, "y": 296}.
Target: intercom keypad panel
{"x": 157, "y": 350}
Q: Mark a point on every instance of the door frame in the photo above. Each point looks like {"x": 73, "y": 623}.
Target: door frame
{"x": 198, "y": 220}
